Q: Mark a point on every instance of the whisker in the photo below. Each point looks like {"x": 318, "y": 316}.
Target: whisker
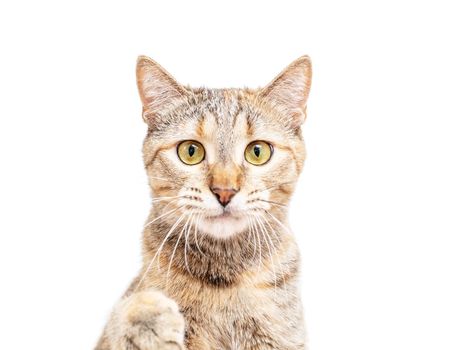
{"x": 271, "y": 187}
{"x": 269, "y": 225}
{"x": 187, "y": 235}
{"x": 277, "y": 255}
{"x": 175, "y": 247}
{"x": 196, "y": 234}
{"x": 158, "y": 252}
{"x": 279, "y": 222}
{"x": 155, "y": 199}
{"x": 248, "y": 219}
{"x": 161, "y": 178}
{"x": 166, "y": 238}
{"x": 271, "y": 202}
{"x": 265, "y": 236}
{"x": 161, "y": 216}
{"x": 259, "y": 242}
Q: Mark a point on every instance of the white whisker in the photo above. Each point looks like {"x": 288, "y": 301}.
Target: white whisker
{"x": 157, "y": 199}
{"x": 278, "y": 222}
{"x": 265, "y": 236}
{"x": 250, "y": 230}
{"x": 277, "y": 255}
{"x": 161, "y": 216}
{"x": 160, "y": 178}
{"x": 271, "y": 187}
{"x": 272, "y": 202}
{"x": 187, "y": 235}
{"x": 196, "y": 234}
{"x": 271, "y": 227}
{"x": 175, "y": 247}
{"x": 259, "y": 241}
{"x": 157, "y": 253}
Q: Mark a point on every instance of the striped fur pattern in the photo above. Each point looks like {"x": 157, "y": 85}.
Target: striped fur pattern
{"x": 216, "y": 277}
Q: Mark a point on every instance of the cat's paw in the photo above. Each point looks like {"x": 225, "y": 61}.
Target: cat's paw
{"x": 148, "y": 321}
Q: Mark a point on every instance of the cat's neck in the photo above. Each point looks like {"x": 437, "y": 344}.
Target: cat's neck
{"x": 219, "y": 262}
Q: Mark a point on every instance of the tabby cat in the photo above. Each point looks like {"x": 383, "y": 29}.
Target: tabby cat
{"x": 220, "y": 266}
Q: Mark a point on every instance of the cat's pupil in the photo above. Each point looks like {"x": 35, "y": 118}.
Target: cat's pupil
{"x": 191, "y": 150}
{"x": 257, "y": 151}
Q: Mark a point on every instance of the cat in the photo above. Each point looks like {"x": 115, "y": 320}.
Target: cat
{"x": 220, "y": 266}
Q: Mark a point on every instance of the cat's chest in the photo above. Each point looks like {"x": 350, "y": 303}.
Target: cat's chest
{"x": 240, "y": 320}
{"x": 223, "y": 304}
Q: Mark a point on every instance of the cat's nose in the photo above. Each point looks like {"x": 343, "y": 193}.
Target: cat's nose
{"x": 224, "y": 195}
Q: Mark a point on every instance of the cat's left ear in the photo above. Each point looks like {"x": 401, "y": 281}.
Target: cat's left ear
{"x": 289, "y": 91}
{"x": 158, "y": 89}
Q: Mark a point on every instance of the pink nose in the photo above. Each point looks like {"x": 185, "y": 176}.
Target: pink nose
{"x": 224, "y": 195}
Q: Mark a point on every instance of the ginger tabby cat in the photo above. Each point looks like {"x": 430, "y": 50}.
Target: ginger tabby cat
{"x": 220, "y": 267}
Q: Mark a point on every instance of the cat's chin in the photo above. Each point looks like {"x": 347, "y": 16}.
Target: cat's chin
{"x": 223, "y": 226}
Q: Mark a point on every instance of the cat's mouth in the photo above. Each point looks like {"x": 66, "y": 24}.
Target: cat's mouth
{"x": 223, "y": 225}
{"x": 222, "y": 216}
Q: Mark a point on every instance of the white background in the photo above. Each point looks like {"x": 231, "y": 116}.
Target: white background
{"x": 372, "y": 210}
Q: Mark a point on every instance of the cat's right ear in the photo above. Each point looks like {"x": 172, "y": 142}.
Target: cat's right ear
{"x": 158, "y": 89}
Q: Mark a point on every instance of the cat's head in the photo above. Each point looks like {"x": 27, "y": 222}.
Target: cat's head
{"x": 225, "y": 160}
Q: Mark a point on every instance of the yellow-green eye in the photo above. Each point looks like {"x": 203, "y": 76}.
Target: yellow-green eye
{"x": 190, "y": 152}
{"x": 258, "y": 152}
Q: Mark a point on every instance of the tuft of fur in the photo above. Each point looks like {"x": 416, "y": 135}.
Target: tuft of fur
{"x": 217, "y": 277}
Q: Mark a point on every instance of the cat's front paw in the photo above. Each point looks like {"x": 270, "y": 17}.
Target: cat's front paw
{"x": 148, "y": 321}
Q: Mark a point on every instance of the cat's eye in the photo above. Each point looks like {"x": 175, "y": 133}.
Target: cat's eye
{"x": 258, "y": 152}
{"x": 190, "y": 152}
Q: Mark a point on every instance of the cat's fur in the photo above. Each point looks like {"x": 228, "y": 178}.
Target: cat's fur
{"x": 209, "y": 281}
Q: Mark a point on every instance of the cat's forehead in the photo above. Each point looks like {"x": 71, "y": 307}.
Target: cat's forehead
{"x": 222, "y": 118}
{"x": 224, "y": 104}
{"x": 220, "y": 114}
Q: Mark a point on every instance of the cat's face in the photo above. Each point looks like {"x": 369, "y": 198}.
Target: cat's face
{"x": 226, "y": 160}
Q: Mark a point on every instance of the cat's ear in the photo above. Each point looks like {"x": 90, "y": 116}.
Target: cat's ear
{"x": 290, "y": 89}
{"x": 158, "y": 89}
